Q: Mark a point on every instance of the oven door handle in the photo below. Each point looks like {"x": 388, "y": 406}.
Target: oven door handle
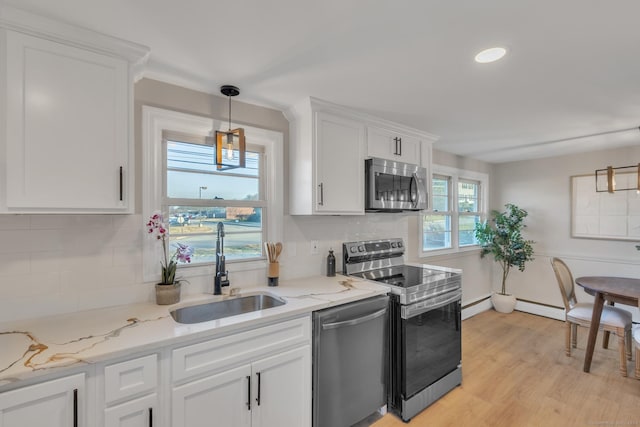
{"x": 409, "y": 311}
{"x": 356, "y": 321}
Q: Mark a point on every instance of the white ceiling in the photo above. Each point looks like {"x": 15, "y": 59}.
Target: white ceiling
{"x": 573, "y": 66}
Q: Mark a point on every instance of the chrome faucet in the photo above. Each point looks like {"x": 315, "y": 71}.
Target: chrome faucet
{"x": 222, "y": 275}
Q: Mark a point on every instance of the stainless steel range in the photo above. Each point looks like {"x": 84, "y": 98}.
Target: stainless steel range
{"x": 425, "y": 315}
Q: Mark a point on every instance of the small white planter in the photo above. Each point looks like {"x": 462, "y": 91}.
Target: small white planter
{"x": 503, "y": 303}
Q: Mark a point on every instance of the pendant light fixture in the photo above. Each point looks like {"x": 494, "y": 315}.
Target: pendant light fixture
{"x": 230, "y": 146}
{"x": 630, "y": 176}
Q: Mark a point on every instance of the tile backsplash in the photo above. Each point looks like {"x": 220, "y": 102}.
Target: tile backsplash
{"x": 52, "y": 264}
{"x": 64, "y": 263}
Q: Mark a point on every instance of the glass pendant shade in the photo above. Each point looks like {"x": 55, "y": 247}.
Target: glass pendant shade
{"x": 230, "y": 149}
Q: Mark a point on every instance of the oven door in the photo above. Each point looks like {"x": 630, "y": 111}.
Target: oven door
{"x": 394, "y": 186}
{"x": 427, "y": 346}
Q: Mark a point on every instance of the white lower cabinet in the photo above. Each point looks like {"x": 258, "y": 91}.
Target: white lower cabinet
{"x": 270, "y": 392}
{"x": 257, "y": 378}
{"x": 282, "y": 396}
{"x": 55, "y": 403}
{"x": 223, "y": 398}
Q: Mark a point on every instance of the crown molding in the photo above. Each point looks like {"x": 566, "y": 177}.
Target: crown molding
{"x": 26, "y": 22}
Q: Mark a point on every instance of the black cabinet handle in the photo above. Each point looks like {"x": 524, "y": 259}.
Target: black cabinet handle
{"x": 150, "y": 417}
{"x": 321, "y": 203}
{"x": 248, "y": 392}
{"x": 398, "y": 142}
{"x": 120, "y": 183}
{"x": 75, "y": 407}
{"x": 258, "y": 398}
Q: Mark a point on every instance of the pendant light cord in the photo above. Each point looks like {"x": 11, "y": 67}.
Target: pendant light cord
{"x": 229, "y": 112}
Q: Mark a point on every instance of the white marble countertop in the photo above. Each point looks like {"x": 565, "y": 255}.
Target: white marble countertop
{"x": 30, "y": 348}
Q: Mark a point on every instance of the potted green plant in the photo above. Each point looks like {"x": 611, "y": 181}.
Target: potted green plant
{"x": 502, "y": 238}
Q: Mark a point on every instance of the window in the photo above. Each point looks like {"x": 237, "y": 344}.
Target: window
{"x": 458, "y": 199}
{"x": 436, "y": 228}
{"x": 468, "y": 211}
{"x": 198, "y": 197}
{"x": 179, "y": 179}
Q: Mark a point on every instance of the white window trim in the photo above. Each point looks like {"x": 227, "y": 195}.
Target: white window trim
{"x": 456, "y": 174}
{"x": 154, "y": 121}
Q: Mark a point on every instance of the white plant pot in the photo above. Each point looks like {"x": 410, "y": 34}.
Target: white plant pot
{"x": 503, "y": 303}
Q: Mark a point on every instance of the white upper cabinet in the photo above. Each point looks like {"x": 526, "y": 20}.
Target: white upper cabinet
{"x": 326, "y": 168}
{"x": 68, "y": 118}
{"x": 391, "y": 145}
{"x": 327, "y": 148}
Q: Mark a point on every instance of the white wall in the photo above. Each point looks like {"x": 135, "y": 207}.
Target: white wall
{"x": 542, "y": 187}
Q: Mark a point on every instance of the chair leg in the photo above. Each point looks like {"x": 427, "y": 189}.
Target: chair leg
{"x": 638, "y": 363}
{"x": 605, "y": 339}
{"x": 623, "y": 352}
{"x": 629, "y": 338}
{"x": 574, "y": 336}
{"x": 568, "y": 329}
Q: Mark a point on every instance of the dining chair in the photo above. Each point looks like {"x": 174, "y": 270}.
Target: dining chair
{"x": 636, "y": 339}
{"x": 613, "y": 320}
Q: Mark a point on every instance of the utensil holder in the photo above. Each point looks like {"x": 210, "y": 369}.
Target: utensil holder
{"x": 273, "y": 273}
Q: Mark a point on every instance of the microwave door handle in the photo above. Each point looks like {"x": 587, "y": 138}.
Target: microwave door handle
{"x": 413, "y": 189}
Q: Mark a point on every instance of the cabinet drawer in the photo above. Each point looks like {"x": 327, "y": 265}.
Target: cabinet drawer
{"x": 138, "y": 412}
{"x": 133, "y": 377}
{"x": 215, "y": 354}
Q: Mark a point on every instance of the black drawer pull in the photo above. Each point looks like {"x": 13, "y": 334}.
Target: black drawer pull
{"x": 75, "y": 407}
{"x": 248, "y": 392}
{"x": 258, "y": 398}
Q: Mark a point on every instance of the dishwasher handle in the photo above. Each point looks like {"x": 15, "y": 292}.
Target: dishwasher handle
{"x": 356, "y": 321}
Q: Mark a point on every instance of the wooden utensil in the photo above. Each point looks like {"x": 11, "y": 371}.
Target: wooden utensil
{"x": 278, "y": 250}
{"x": 268, "y": 249}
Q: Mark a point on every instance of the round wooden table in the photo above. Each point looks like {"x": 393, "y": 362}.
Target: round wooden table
{"x": 623, "y": 290}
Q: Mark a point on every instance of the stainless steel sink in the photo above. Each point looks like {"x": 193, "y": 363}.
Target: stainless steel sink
{"x": 226, "y": 308}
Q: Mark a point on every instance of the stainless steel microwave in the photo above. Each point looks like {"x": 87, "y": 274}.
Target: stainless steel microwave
{"x": 394, "y": 186}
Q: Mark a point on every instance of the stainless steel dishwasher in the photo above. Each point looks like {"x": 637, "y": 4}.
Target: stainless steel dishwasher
{"x": 350, "y": 345}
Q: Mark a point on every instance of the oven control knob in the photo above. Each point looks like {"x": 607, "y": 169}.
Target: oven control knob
{"x": 394, "y": 244}
{"x": 360, "y": 248}
{"x": 352, "y": 249}
{"x": 399, "y": 244}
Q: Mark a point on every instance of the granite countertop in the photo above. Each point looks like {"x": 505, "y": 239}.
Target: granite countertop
{"x": 38, "y": 346}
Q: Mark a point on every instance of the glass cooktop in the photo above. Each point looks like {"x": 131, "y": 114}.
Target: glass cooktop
{"x": 404, "y": 276}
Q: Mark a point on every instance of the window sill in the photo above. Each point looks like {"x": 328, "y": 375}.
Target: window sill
{"x": 186, "y": 271}
{"x": 448, "y": 251}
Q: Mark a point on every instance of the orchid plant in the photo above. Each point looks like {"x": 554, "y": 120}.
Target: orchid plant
{"x": 183, "y": 253}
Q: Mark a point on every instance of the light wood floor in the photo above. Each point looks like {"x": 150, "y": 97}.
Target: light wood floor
{"x": 515, "y": 373}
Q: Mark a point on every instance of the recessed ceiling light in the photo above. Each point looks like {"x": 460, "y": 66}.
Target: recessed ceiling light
{"x": 490, "y": 55}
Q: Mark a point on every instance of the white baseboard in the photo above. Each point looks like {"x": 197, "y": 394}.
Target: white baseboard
{"x": 540, "y": 310}
{"x": 476, "y": 309}
{"x": 526, "y": 307}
